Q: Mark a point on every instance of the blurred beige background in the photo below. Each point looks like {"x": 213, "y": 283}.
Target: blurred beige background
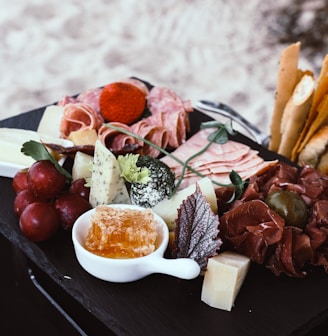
{"x": 213, "y": 49}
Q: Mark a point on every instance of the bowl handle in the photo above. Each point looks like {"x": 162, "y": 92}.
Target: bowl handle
{"x": 184, "y": 268}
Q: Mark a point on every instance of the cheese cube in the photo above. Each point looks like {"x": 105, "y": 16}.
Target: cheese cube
{"x": 83, "y": 137}
{"x": 106, "y": 184}
{"x": 82, "y": 166}
{"x": 223, "y": 278}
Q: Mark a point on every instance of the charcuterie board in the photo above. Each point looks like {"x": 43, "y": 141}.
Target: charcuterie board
{"x": 161, "y": 304}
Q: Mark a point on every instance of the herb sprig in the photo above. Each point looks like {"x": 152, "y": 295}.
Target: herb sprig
{"x": 219, "y": 136}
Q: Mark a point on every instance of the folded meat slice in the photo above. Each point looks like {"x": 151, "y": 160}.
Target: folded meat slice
{"x": 292, "y": 252}
{"x": 90, "y": 97}
{"x": 171, "y": 112}
{"x": 78, "y": 116}
{"x": 252, "y": 228}
{"x": 157, "y": 135}
{"x": 113, "y": 139}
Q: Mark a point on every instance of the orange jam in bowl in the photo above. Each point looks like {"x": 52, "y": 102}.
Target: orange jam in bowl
{"x": 121, "y": 232}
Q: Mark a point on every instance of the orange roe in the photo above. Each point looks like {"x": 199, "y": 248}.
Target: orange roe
{"x": 122, "y": 102}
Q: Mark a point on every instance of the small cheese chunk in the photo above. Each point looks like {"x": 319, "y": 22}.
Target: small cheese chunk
{"x": 83, "y": 137}
{"x": 50, "y": 121}
{"x": 106, "y": 184}
{"x": 82, "y": 166}
{"x": 223, "y": 278}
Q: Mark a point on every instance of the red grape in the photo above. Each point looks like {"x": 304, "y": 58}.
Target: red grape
{"x": 23, "y": 199}
{"x": 44, "y": 180}
{"x": 69, "y": 207}
{"x": 78, "y": 187}
{"x": 20, "y": 180}
{"x": 39, "y": 221}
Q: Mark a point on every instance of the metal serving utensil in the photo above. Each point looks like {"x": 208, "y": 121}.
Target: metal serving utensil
{"x": 226, "y": 111}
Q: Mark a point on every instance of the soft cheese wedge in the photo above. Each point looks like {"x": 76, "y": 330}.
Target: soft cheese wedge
{"x": 223, "y": 278}
{"x": 11, "y": 141}
{"x": 168, "y": 208}
{"x": 106, "y": 184}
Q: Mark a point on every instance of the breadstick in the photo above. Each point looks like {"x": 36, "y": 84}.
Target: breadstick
{"x": 287, "y": 80}
{"x": 318, "y": 113}
{"x": 295, "y": 114}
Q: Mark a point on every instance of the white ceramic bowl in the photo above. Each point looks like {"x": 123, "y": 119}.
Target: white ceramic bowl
{"x": 127, "y": 270}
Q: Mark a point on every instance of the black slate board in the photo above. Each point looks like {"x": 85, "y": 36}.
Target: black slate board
{"x": 160, "y": 304}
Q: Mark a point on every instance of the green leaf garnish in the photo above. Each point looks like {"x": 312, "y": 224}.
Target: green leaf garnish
{"x": 39, "y": 152}
{"x": 130, "y": 171}
{"x": 238, "y": 184}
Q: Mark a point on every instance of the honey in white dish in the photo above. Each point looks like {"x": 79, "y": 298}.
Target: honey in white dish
{"x": 121, "y": 233}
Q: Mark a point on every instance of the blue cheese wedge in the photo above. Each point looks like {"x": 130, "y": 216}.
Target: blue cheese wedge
{"x": 223, "y": 278}
{"x": 106, "y": 184}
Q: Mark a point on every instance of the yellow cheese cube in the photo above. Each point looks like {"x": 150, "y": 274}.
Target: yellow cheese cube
{"x": 82, "y": 166}
{"x": 83, "y": 137}
{"x": 223, "y": 278}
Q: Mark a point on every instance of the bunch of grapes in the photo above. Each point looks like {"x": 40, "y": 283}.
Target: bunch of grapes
{"x": 45, "y": 202}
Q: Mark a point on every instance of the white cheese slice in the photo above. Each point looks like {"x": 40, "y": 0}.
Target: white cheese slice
{"x": 11, "y": 141}
{"x": 223, "y": 278}
{"x": 168, "y": 208}
{"x": 50, "y": 121}
{"x": 106, "y": 184}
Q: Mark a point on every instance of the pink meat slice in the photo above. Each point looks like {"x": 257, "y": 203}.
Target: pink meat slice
{"x": 157, "y": 135}
{"x": 113, "y": 139}
{"x": 78, "y": 116}
{"x": 90, "y": 97}
{"x": 217, "y": 161}
{"x": 171, "y": 112}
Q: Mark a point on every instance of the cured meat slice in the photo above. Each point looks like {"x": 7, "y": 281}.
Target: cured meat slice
{"x": 113, "y": 139}
{"x": 230, "y": 152}
{"x": 90, "y": 97}
{"x": 78, "y": 116}
{"x": 252, "y": 228}
{"x": 217, "y": 161}
{"x": 158, "y": 135}
{"x": 171, "y": 112}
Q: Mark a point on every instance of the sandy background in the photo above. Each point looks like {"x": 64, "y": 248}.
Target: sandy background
{"x": 213, "y": 49}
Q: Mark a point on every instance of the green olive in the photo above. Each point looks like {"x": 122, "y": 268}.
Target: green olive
{"x": 290, "y": 206}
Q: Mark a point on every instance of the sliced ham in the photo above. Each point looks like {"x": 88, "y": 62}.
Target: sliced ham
{"x": 217, "y": 161}
{"x": 78, "y": 116}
